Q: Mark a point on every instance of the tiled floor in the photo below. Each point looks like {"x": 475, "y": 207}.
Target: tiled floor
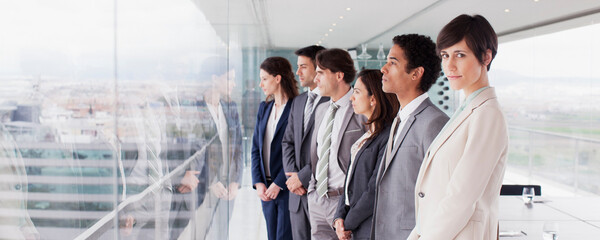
{"x": 247, "y": 221}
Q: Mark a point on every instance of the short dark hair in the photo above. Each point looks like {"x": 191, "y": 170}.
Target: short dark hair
{"x": 281, "y": 66}
{"x": 337, "y": 60}
{"x": 419, "y": 51}
{"x": 387, "y": 103}
{"x": 310, "y": 52}
{"x": 475, "y": 30}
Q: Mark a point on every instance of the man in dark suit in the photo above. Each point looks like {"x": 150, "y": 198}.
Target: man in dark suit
{"x": 337, "y": 127}
{"x": 296, "y": 141}
{"x": 412, "y": 67}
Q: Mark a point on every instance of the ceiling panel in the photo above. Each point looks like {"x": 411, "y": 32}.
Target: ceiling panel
{"x": 293, "y": 24}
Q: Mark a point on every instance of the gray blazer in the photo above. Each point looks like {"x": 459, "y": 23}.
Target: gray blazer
{"x": 352, "y": 129}
{"x": 296, "y": 146}
{"x": 397, "y": 175}
{"x": 361, "y": 187}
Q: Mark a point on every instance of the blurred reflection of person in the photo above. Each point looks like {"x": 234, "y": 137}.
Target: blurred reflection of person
{"x": 458, "y": 186}
{"x": 15, "y": 222}
{"x": 222, "y": 164}
{"x": 268, "y": 177}
{"x": 355, "y": 209}
{"x": 149, "y": 217}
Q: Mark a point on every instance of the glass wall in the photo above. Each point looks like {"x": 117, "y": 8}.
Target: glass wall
{"x": 549, "y": 87}
{"x": 132, "y": 119}
{"x": 121, "y": 120}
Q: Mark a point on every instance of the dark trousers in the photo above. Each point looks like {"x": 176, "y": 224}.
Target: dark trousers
{"x": 277, "y": 216}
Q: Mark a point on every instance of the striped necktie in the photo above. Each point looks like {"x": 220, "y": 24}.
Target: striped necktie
{"x": 309, "y": 108}
{"x": 323, "y": 164}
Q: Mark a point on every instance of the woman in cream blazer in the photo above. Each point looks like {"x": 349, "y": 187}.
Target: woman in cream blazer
{"x": 458, "y": 187}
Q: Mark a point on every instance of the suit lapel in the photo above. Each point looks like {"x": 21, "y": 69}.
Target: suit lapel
{"x": 360, "y": 151}
{"x": 311, "y": 120}
{"x": 409, "y": 122}
{"x": 299, "y": 111}
{"x": 347, "y": 117}
{"x": 263, "y": 125}
{"x": 317, "y": 119}
{"x": 284, "y": 116}
{"x": 402, "y": 135}
{"x": 451, "y": 128}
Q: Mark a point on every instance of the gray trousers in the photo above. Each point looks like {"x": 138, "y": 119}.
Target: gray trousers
{"x": 321, "y": 213}
{"x": 300, "y": 220}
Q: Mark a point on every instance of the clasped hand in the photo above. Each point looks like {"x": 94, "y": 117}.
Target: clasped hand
{"x": 294, "y": 184}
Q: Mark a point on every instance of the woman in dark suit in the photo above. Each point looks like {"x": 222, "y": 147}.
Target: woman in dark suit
{"x": 355, "y": 210}
{"x": 268, "y": 177}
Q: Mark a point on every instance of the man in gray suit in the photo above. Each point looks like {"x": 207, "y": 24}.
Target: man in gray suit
{"x": 296, "y": 141}
{"x": 337, "y": 127}
{"x": 412, "y": 67}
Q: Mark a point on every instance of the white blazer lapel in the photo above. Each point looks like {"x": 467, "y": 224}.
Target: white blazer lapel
{"x": 455, "y": 124}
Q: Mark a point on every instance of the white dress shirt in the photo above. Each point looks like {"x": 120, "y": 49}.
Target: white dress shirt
{"x": 317, "y": 99}
{"x": 216, "y": 111}
{"x": 274, "y": 118}
{"x": 336, "y": 176}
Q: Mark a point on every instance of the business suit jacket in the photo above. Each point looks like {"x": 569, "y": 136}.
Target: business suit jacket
{"x": 213, "y": 168}
{"x": 361, "y": 187}
{"x": 296, "y": 146}
{"x": 397, "y": 176}
{"x": 351, "y": 129}
{"x": 462, "y": 174}
{"x": 275, "y": 162}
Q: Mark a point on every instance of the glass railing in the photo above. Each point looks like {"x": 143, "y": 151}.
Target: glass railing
{"x": 565, "y": 164}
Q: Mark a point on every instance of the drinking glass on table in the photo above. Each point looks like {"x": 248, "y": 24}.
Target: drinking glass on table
{"x": 550, "y": 231}
{"x": 528, "y": 193}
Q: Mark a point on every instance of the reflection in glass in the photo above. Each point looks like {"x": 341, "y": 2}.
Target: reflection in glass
{"x": 15, "y": 222}
{"x": 380, "y": 53}
{"x": 364, "y": 55}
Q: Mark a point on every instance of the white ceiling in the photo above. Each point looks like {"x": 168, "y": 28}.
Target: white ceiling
{"x": 294, "y": 24}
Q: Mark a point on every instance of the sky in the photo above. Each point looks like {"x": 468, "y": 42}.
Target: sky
{"x": 572, "y": 53}
{"x": 76, "y": 38}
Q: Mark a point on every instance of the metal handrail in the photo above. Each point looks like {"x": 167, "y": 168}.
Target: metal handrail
{"x": 106, "y": 222}
{"x": 583, "y": 139}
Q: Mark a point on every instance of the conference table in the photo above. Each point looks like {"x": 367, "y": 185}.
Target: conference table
{"x": 577, "y": 218}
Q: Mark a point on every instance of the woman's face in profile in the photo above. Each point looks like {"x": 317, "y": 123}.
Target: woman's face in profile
{"x": 461, "y": 67}
{"x": 268, "y": 83}
{"x": 361, "y": 101}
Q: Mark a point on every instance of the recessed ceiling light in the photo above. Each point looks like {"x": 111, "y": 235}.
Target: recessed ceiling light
{"x": 348, "y": 9}
{"x": 317, "y": 44}
{"x": 341, "y": 17}
{"x": 331, "y": 30}
{"x": 536, "y": 0}
{"x": 507, "y": 10}
{"x": 320, "y": 42}
{"x": 333, "y": 24}
{"x": 326, "y": 34}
